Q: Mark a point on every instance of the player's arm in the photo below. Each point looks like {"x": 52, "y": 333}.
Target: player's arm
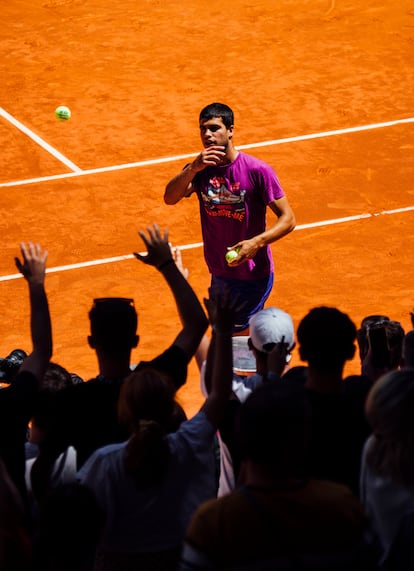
{"x": 284, "y": 224}
{"x": 181, "y": 185}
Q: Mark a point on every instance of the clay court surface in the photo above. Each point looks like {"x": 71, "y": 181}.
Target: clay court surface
{"x": 321, "y": 89}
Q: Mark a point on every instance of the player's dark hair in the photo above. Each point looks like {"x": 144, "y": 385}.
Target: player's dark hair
{"x": 218, "y": 110}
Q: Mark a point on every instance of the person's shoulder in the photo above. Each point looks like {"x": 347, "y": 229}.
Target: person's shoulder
{"x": 110, "y": 450}
{"x": 105, "y": 455}
{"x": 195, "y": 433}
{"x": 242, "y": 387}
{"x": 173, "y": 361}
{"x": 210, "y": 516}
{"x": 195, "y": 425}
{"x": 213, "y": 508}
{"x": 356, "y": 385}
{"x": 252, "y": 161}
{"x": 333, "y": 496}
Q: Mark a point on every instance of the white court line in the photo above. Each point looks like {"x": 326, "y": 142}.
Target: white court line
{"x": 187, "y": 156}
{"x": 200, "y": 244}
{"x": 58, "y": 155}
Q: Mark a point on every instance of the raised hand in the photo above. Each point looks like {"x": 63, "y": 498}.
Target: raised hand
{"x": 159, "y": 251}
{"x": 33, "y": 266}
{"x": 211, "y": 156}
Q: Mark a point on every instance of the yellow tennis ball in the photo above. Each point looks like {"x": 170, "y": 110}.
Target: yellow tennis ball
{"x": 231, "y": 255}
{"x": 62, "y": 113}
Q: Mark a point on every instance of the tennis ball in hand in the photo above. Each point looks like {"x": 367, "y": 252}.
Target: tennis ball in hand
{"x": 231, "y": 255}
{"x": 62, "y": 113}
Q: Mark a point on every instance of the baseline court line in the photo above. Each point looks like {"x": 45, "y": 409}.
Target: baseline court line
{"x": 58, "y": 155}
{"x": 116, "y": 259}
{"x": 158, "y": 161}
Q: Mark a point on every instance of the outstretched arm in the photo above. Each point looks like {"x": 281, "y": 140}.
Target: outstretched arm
{"x": 202, "y": 350}
{"x": 221, "y": 307}
{"x": 192, "y": 315}
{"x": 33, "y": 268}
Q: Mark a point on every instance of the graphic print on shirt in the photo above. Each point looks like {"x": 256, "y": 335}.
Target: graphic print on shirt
{"x": 220, "y": 200}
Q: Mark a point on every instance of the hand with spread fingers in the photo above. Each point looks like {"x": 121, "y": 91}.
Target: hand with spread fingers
{"x": 159, "y": 251}
{"x": 33, "y": 266}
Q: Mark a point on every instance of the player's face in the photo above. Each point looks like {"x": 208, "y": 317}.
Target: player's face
{"x": 214, "y": 132}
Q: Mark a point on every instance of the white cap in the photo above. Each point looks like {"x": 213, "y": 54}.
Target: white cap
{"x": 271, "y": 325}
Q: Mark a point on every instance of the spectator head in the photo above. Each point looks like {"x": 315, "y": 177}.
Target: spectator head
{"x": 389, "y": 409}
{"x": 362, "y": 333}
{"x": 114, "y": 324}
{"x": 56, "y": 379}
{"x": 408, "y": 350}
{"x": 268, "y": 327}
{"x": 326, "y": 338}
{"x": 395, "y": 337}
{"x": 275, "y": 427}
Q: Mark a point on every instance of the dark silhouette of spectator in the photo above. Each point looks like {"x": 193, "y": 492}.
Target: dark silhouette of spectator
{"x": 362, "y": 333}
{"x": 15, "y": 540}
{"x": 271, "y": 341}
{"x": 86, "y": 414}
{"x": 407, "y": 359}
{"x": 55, "y": 379}
{"x": 387, "y": 474}
{"x": 68, "y": 528}
{"x": 297, "y": 374}
{"x": 380, "y": 358}
{"x": 278, "y": 519}
{"x": 16, "y": 400}
{"x": 326, "y": 339}
{"x": 150, "y": 485}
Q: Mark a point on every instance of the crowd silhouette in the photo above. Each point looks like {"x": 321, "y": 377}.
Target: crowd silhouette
{"x": 285, "y": 468}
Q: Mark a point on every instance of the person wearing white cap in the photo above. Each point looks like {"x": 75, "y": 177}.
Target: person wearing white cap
{"x": 271, "y": 341}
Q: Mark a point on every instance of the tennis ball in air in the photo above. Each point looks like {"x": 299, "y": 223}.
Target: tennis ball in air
{"x": 231, "y": 255}
{"x": 62, "y": 113}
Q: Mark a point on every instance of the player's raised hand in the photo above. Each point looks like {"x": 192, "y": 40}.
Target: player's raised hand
{"x": 33, "y": 265}
{"x": 159, "y": 251}
{"x": 209, "y": 157}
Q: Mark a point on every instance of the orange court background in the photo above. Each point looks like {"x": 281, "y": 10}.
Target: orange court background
{"x": 321, "y": 89}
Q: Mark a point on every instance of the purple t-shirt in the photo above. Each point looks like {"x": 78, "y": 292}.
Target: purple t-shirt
{"x": 233, "y": 200}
